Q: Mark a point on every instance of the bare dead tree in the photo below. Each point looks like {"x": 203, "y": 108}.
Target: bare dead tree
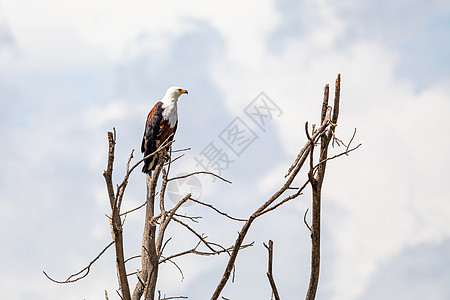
{"x": 158, "y": 216}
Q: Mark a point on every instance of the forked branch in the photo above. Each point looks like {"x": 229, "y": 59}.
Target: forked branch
{"x": 316, "y": 184}
{"x": 264, "y": 208}
{"x": 115, "y": 220}
{"x": 269, "y": 270}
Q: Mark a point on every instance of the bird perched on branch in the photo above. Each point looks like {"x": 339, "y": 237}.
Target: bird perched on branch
{"x": 160, "y": 127}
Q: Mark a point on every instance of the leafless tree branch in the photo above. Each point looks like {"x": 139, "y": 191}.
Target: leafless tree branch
{"x": 178, "y": 267}
{"x": 291, "y": 197}
{"x": 85, "y": 269}
{"x": 199, "y": 236}
{"x": 173, "y": 297}
{"x": 304, "y": 219}
{"x": 131, "y": 258}
{"x": 180, "y": 150}
{"x": 115, "y": 221}
{"x": 175, "y": 159}
{"x": 134, "y": 209}
{"x": 199, "y": 172}
{"x": 217, "y": 210}
{"x": 292, "y": 173}
{"x": 149, "y": 254}
{"x": 316, "y": 185}
{"x": 202, "y": 253}
{"x": 346, "y": 152}
{"x": 165, "y": 220}
{"x": 269, "y": 270}
{"x": 192, "y": 218}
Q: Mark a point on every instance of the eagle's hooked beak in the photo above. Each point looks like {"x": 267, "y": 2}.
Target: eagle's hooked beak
{"x": 183, "y": 91}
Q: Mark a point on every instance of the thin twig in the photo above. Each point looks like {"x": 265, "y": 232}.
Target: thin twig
{"x": 202, "y": 253}
{"x": 299, "y": 156}
{"x": 179, "y": 150}
{"x": 164, "y": 259}
{"x": 166, "y": 221}
{"x": 199, "y": 172}
{"x": 132, "y": 210}
{"x": 291, "y": 197}
{"x": 304, "y": 220}
{"x": 346, "y": 152}
{"x": 217, "y": 210}
{"x": 139, "y": 279}
{"x": 192, "y": 218}
{"x": 178, "y": 267}
{"x": 131, "y": 258}
{"x": 87, "y": 268}
{"x": 175, "y": 159}
{"x": 318, "y": 132}
{"x": 122, "y": 186}
{"x": 165, "y": 244}
{"x": 199, "y": 236}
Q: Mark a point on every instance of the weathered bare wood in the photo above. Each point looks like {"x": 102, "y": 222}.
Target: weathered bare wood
{"x": 316, "y": 184}
{"x": 292, "y": 173}
{"x": 269, "y": 270}
{"x": 153, "y": 239}
{"x": 149, "y": 270}
{"x": 115, "y": 221}
{"x": 165, "y": 222}
{"x": 77, "y": 276}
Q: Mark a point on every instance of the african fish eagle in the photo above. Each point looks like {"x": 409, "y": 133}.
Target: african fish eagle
{"x": 161, "y": 125}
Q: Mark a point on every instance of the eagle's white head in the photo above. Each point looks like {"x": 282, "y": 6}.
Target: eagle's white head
{"x": 170, "y": 104}
{"x": 173, "y": 93}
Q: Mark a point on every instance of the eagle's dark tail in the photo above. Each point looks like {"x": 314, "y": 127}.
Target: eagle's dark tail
{"x": 145, "y": 167}
{"x": 150, "y": 164}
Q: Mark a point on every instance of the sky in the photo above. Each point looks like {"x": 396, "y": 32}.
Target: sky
{"x": 72, "y": 70}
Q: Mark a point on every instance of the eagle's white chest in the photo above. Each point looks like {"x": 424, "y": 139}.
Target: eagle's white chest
{"x": 170, "y": 113}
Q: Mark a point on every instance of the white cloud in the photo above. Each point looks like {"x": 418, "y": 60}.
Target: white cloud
{"x": 99, "y": 116}
{"x": 116, "y": 27}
